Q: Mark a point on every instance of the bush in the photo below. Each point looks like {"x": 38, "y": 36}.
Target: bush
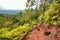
{"x": 17, "y": 33}
{"x": 52, "y": 15}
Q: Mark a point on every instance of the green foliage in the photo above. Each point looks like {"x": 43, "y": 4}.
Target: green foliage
{"x": 3, "y": 31}
{"x": 6, "y": 20}
{"x": 33, "y": 22}
{"x": 17, "y": 33}
{"x": 28, "y": 16}
{"x": 16, "y": 27}
{"x": 52, "y": 15}
{"x": 40, "y": 18}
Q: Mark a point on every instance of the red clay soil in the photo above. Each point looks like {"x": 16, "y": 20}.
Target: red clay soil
{"x": 43, "y": 33}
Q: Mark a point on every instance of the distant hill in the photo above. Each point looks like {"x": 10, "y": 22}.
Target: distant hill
{"x": 13, "y": 12}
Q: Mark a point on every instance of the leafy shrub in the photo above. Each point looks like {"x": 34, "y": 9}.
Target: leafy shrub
{"x": 3, "y": 31}
{"x": 52, "y": 15}
{"x": 18, "y": 33}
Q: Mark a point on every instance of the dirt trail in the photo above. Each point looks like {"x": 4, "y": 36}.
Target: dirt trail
{"x": 40, "y": 33}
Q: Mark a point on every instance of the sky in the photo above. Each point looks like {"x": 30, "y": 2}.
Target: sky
{"x": 13, "y": 4}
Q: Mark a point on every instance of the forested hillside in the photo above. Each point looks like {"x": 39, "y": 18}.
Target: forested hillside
{"x": 11, "y": 12}
{"x": 16, "y": 27}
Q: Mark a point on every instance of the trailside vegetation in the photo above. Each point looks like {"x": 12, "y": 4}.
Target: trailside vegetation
{"x": 16, "y": 27}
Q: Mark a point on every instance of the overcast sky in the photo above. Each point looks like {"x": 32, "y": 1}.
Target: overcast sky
{"x": 13, "y": 4}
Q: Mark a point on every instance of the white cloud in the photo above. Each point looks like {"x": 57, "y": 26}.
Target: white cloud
{"x": 13, "y": 4}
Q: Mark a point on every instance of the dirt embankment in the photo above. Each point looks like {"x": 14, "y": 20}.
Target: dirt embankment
{"x": 41, "y": 32}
